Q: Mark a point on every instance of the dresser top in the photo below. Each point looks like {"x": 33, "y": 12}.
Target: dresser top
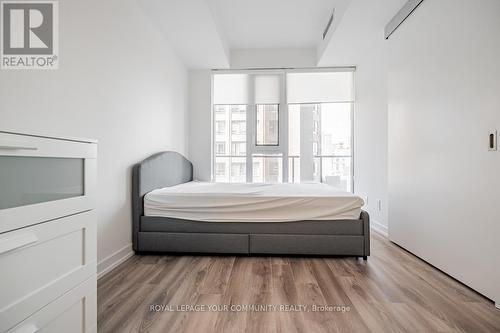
{"x": 48, "y": 136}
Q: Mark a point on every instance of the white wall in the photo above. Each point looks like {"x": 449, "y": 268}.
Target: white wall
{"x": 444, "y": 185}
{"x": 118, "y": 82}
{"x": 273, "y": 58}
{"x": 359, "y": 40}
{"x": 200, "y": 118}
{"x": 370, "y": 135}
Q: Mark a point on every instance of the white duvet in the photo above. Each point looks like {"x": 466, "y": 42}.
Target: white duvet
{"x": 221, "y": 202}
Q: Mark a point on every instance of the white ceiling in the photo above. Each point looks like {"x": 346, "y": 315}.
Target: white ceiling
{"x": 207, "y": 33}
{"x": 190, "y": 28}
{"x": 360, "y": 32}
{"x": 251, "y": 24}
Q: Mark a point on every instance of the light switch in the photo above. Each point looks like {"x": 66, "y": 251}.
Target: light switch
{"x": 492, "y": 140}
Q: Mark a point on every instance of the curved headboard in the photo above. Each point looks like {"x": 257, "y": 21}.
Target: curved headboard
{"x": 160, "y": 170}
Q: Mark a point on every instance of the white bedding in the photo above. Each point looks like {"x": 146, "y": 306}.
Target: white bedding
{"x": 221, "y": 202}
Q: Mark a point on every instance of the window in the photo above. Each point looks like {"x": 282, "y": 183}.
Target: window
{"x": 330, "y": 142}
{"x": 284, "y": 125}
{"x": 267, "y": 168}
{"x": 230, "y": 165}
{"x": 220, "y": 148}
{"x": 238, "y": 109}
{"x": 238, "y": 170}
{"x": 220, "y": 169}
{"x": 220, "y": 126}
{"x": 238, "y": 148}
{"x": 238, "y": 127}
{"x": 267, "y": 124}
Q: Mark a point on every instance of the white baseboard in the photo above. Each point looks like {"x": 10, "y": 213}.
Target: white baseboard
{"x": 107, "y": 264}
{"x": 379, "y": 227}
{"x": 497, "y": 305}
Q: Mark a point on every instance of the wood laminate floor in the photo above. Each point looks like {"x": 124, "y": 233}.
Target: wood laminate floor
{"x": 391, "y": 292}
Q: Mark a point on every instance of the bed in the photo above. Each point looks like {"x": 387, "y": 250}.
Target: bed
{"x": 172, "y": 213}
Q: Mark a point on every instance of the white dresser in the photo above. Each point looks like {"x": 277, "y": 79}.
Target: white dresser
{"x": 47, "y": 234}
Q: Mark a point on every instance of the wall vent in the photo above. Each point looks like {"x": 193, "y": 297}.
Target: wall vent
{"x": 329, "y": 24}
{"x": 401, "y": 16}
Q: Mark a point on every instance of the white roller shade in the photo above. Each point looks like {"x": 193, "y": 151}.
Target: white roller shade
{"x": 320, "y": 87}
{"x": 267, "y": 89}
{"x": 230, "y": 89}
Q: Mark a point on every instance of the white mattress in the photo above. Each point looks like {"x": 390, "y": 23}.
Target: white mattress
{"x": 221, "y": 202}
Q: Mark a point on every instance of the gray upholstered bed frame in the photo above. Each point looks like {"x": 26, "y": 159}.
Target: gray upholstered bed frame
{"x": 163, "y": 234}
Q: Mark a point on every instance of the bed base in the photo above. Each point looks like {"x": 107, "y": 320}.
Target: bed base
{"x": 258, "y": 244}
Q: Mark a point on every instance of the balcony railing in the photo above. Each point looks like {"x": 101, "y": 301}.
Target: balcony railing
{"x": 291, "y": 165}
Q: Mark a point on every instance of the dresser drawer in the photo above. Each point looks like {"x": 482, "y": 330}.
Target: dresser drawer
{"x": 73, "y": 312}
{"x": 42, "y": 262}
{"x": 42, "y": 179}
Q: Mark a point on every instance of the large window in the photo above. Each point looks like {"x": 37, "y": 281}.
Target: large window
{"x": 284, "y": 126}
{"x": 325, "y": 137}
{"x": 230, "y": 146}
